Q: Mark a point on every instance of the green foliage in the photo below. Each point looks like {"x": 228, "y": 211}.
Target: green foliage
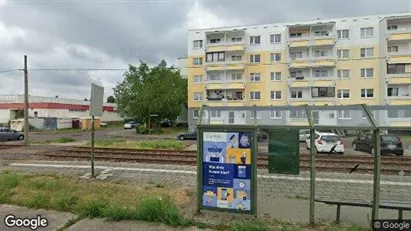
{"x": 92, "y": 209}
{"x": 151, "y": 90}
{"x": 111, "y": 99}
{"x": 162, "y": 144}
{"x": 65, "y": 140}
{"x": 249, "y": 226}
{"x": 8, "y": 182}
{"x": 141, "y": 130}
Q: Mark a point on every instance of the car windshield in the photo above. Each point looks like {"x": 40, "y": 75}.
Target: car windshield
{"x": 389, "y": 139}
{"x": 330, "y": 138}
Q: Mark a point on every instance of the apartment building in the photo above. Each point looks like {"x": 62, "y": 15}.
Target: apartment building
{"x": 365, "y": 59}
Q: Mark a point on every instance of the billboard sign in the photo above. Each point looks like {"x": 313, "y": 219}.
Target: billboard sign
{"x": 97, "y": 99}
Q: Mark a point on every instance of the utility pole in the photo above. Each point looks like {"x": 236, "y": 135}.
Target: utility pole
{"x": 26, "y": 103}
{"x": 92, "y": 146}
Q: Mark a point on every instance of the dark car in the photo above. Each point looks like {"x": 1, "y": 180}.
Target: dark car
{"x": 10, "y": 134}
{"x": 191, "y": 135}
{"x": 389, "y": 144}
{"x": 261, "y": 135}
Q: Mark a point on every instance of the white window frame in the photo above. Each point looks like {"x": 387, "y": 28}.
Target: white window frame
{"x": 392, "y": 49}
{"x": 274, "y": 56}
{"x": 340, "y": 73}
{"x": 297, "y": 74}
{"x": 365, "y": 72}
{"x": 364, "y": 32}
{"x": 340, "y": 34}
{"x": 253, "y": 58}
{"x": 236, "y": 58}
{"x": 321, "y": 53}
{"x": 366, "y": 93}
{"x": 254, "y": 76}
{"x": 198, "y": 93}
{"x": 199, "y": 44}
{"x": 236, "y": 76}
{"x": 340, "y": 53}
{"x": 215, "y": 114}
{"x": 320, "y": 73}
{"x": 236, "y": 39}
{"x": 253, "y": 39}
{"x": 276, "y": 114}
{"x": 296, "y": 55}
{"x": 199, "y": 63}
{"x": 344, "y": 114}
{"x": 368, "y": 52}
{"x": 195, "y": 77}
{"x": 253, "y": 94}
{"x": 275, "y": 95}
{"x": 275, "y": 76}
{"x": 398, "y": 91}
{"x": 340, "y": 93}
{"x": 275, "y": 38}
{"x": 258, "y": 115}
{"x": 392, "y": 27}
{"x": 291, "y": 95}
{"x": 194, "y": 114}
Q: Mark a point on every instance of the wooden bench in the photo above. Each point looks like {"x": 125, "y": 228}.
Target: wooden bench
{"x": 393, "y": 205}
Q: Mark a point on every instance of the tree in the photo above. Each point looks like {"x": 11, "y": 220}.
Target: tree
{"x": 157, "y": 90}
{"x": 111, "y": 99}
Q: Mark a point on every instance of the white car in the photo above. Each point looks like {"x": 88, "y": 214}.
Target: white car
{"x": 324, "y": 142}
{"x": 131, "y": 124}
{"x": 304, "y": 134}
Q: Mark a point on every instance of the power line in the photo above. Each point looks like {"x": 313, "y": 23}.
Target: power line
{"x": 80, "y": 69}
{"x": 11, "y": 70}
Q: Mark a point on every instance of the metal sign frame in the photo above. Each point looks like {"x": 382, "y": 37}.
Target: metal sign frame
{"x": 253, "y": 163}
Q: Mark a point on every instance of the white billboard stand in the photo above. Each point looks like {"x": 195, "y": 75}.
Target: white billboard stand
{"x": 96, "y": 109}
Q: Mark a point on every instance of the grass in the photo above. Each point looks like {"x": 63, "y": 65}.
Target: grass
{"x": 152, "y": 144}
{"x": 65, "y": 140}
{"x": 172, "y": 130}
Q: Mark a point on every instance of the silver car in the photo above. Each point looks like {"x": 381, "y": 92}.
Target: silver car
{"x": 10, "y": 134}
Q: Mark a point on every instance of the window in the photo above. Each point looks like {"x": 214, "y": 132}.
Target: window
{"x": 255, "y": 95}
{"x": 367, "y": 93}
{"x": 321, "y": 33}
{"x": 197, "y": 78}
{"x": 275, "y": 76}
{"x": 298, "y": 114}
{"x": 322, "y": 53}
{"x": 318, "y": 92}
{"x": 392, "y": 91}
{"x": 343, "y": 53}
{"x": 344, "y": 114}
{"x": 215, "y": 57}
{"x": 255, "y": 58}
{"x": 236, "y": 39}
{"x": 197, "y": 61}
{"x": 236, "y": 58}
{"x": 275, "y": 114}
{"x": 215, "y": 77}
{"x": 367, "y": 52}
{"x": 367, "y": 32}
{"x": 343, "y": 94}
{"x": 296, "y": 55}
{"x": 343, "y": 34}
{"x": 258, "y": 113}
{"x": 198, "y": 96}
{"x": 197, "y": 44}
{"x": 364, "y": 114}
{"x": 296, "y": 74}
{"x": 255, "y": 77}
{"x": 320, "y": 73}
{"x": 296, "y": 35}
{"x": 343, "y": 74}
{"x": 275, "y": 94}
{"x": 275, "y": 57}
{"x": 255, "y": 40}
{"x": 215, "y": 114}
{"x": 296, "y": 94}
{"x": 196, "y": 114}
{"x": 396, "y": 68}
{"x": 236, "y": 76}
{"x": 216, "y": 40}
{"x": 392, "y": 49}
{"x": 392, "y": 27}
{"x": 367, "y": 72}
{"x": 275, "y": 38}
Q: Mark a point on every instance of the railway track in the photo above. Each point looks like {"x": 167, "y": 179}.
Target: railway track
{"x": 390, "y": 165}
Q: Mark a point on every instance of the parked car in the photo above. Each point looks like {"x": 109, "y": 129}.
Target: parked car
{"x": 324, "y": 142}
{"x": 131, "y": 125}
{"x": 190, "y": 135}
{"x": 102, "y": 124}
{"x": 10, "y": 134}
{"x": 261, "y": 136}
{"x": 390, "y": 143}
{"x": 304, "y": 134}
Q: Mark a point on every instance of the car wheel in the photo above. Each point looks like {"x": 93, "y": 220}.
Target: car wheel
{"x": 354, "y": 146}
{"x": 20, "y": 138}
{"x": 181, "y": 137}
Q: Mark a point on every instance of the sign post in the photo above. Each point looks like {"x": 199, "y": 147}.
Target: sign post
{"x": 96, "y": 109}
{"x": 227, "y": 175}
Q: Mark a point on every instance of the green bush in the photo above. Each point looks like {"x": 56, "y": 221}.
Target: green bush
{"x": 159, "y": 209}
{"x": 158, "y": 130}
{"x": 92, "y": 208}
{"x": 142, "y": 130}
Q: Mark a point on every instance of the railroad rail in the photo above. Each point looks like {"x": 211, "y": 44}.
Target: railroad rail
{"x": 332, "y": 163}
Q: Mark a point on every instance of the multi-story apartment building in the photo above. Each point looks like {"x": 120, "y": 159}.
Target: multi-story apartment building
{"x": 342, "y": 61}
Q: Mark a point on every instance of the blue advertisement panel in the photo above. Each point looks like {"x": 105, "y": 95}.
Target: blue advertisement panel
{"x": 227, "y": 170}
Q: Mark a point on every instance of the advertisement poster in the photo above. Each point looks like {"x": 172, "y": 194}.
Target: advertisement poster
{"x": 227, "y": 170}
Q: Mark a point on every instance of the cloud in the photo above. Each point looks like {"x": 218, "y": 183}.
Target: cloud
{"x": 104, "y": 34}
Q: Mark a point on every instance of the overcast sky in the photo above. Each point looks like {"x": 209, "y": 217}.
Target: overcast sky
{"x": 113, "y": 34}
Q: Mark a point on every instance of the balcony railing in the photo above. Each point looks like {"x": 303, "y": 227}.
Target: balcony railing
{"x": 312, "y": 37}
{"x": 224, "y": 62}
{"x": 228, "y": 43}
{"x": 401, "y": 31}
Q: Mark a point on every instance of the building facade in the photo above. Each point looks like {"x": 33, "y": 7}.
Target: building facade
{"x": 12, "y": 107}
{"x": 359, "y": 60}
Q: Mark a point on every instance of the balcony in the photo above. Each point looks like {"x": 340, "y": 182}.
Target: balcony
{"x": 225, "y": 46}
{"x": 403, "y": 78}
{"x": 398, "y": 100}
{"x": 403, "y": 57}
{"x": 225, "y": 102}
{"x": 304, "y": 82}
{"x": 224, "y": 65}
{"x": 307, "y": 41}
{"x": 225, "y": 84}
{"x": 399, "y": 35}
{"x": 311, "y": 101}
{"x": 328, "y": 61}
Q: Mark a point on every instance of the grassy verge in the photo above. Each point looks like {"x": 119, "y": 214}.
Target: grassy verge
{"x": 92, "y": 199}
{"x": 65, "y": 140}
{"x": 152, "y": 144}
